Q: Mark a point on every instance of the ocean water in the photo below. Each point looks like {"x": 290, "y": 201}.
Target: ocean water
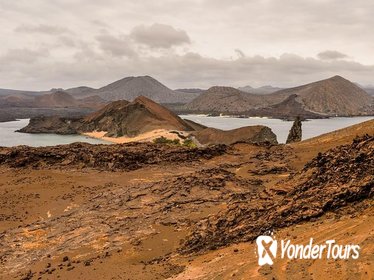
{"x": 9, "y": 138}
{"x": 310, "y": 128}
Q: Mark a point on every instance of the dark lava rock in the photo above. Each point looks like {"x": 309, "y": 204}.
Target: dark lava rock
{"x": 126, "y": 157}
{"x": 55, "y": 124}
{"x": 334, "y": 179}
{"x": 295, "y": 133}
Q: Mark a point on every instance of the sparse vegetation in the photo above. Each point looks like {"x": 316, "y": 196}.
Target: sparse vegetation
{"x": 189, "y": 143}
{"x": 164, "y": 140}
{"x": 186, "y": 142}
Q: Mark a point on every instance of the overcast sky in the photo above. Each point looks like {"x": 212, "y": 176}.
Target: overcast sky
{"x": 194, "y": 43}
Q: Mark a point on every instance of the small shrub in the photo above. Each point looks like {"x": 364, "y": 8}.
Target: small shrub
{"x": 164, "y": 140}
{"x": 189, "y": 143}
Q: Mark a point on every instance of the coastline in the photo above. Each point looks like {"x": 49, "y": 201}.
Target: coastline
{"x": 144, "y": 137}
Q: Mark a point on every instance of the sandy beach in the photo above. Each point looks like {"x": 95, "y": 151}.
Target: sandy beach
{"x": 144, "y": 137}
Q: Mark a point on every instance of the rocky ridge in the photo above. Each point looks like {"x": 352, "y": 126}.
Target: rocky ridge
{"x": 335, "y": 96}
{"x": 295, "y": 134}
{"x": 121, "y": 157}
{"x": 119, "y": 118}
{"x": 339, "y": 177}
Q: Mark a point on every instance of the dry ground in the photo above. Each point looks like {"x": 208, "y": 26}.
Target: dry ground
{"x": 88, "y": 224}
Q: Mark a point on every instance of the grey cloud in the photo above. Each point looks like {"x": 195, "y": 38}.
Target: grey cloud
{"x": 331, "y": 55}
{"x": 159, "y": 36}
{"x": 67, "y": 41}
{"x": 41, "y": 28}
{"x": 22, "y": 56}
{"x": 286, "y": 71}
{"x": 115, "y": 46}
{"x": 209, "y": 29}
{"x": 189, "y": 70}
{"x": 240, "y": 53}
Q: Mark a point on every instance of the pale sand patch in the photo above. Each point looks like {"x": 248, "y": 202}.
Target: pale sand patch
{"x": 145, "y": 137}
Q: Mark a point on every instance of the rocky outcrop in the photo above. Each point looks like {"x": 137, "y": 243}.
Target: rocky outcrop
{"x": 119, "y": 118}
{"x": 288, "y": 109}
{"x": 250, "y": 134}
{"x": 123, "y": 157}
{"x": 295, "y": 133}
{"x": 52, "y": 124}
{"x": 331, "y": 180}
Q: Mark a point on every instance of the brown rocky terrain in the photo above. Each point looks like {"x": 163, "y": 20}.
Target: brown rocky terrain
{"x": 123, "y": 157}
{"x": 257, "y": 134}
{"x": 135, "y": 211}
{"x": 119, "y": 118}
{"x": 141, "y": 115}
{"x": 297, "y": 199}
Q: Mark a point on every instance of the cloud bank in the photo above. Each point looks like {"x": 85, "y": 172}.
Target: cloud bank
{"x": 197, "y": 43}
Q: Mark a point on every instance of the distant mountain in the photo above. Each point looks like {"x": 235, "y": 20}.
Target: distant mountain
{"x": 125, "y": 89}
{"x": 62, "y": 99}
{"x": 369, "y": 90}
{"x": 7, "y": 92}
{"x": 80, "y": 91}
{"x": 258, "y": 134}
{"x": 132, "y": 87}
{"x": 94, "y": 102}
{"x": 260, "y": 90}
{"x": 333, "y": 96}
{"x": 220, "y": 99}
{"x": 191, "y": 91}
{"x": 17, "y": 98}
{"x": 56, "y": 99}
{"x": 330, "y": 97}
{"x": 290, "y": 108}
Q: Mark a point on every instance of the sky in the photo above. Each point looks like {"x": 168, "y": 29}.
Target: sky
{"x": 184, "y": 44}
